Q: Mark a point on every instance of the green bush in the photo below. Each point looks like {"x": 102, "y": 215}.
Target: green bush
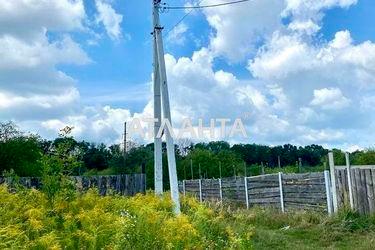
{"x": 22, "y": 154}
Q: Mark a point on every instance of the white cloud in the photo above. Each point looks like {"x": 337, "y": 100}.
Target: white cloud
{"x": 238, "y": 28}
{"x": 198, "y": 91}
{"x": 11, "y": 101}
{"x": 330, "y": 98}
{"x": 342, "y": 40}
{"x": 27, "y": 19}
{"x": 278, "y": 58}
{"x": 311, "y": 11}
{"x": 177, "y": 35}
{"x": 30, "y": 84}
{"x": 338, "y": 60}
{"x": 313, "y": 7}
{"x": 353, "y": 148}
{"x": 320, "y": 136}
{"x": 17, "y": 53}
{"x": 308, "y": 27}
{"x": 99, "y": 124}
{"x": 33, "y": 91}
{"x": 110, "y": 19}
{"x": 328, "y": 85}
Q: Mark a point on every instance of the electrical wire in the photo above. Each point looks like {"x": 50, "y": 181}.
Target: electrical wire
{"x": 182, "y": 19}
{"x": 202, "y": 6}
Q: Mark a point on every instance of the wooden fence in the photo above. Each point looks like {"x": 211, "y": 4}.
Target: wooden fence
{"x": 283, "y": 191}
{"x": 354, "y": 186}
{"x": 122, "y": 184}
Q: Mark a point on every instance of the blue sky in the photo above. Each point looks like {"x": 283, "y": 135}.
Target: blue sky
{"x": 357, "y": 19}
{"x": 128, "y": 62}
{"x": 303, "y": 71}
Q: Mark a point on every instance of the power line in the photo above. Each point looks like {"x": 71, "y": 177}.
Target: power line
{"x": 202, "y": 6}
{"x": 183, "y": 17}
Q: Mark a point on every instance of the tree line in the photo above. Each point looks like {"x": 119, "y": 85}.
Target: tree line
{"x": 23, "y": 154}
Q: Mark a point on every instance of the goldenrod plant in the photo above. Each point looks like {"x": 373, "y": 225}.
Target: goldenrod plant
{"x": 91, "y": 221}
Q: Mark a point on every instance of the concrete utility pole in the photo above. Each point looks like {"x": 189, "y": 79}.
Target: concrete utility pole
{"x": 161, "y": 86}
{"x": 158, "y": 167}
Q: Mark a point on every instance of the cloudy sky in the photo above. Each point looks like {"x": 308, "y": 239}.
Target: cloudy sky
{"x": 295, "y": 71}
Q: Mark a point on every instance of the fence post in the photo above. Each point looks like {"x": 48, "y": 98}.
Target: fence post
{"x": 200, "y": 190}
{"x": 221, "y": 191}
{"x": 246, "y": 193}
{"x": 281, "y": 192}
{"x": 328, "y": 191}
{"x": 349, "y": 174}
{"x": 183, "y": 187}
{"x": 333, "y": 181}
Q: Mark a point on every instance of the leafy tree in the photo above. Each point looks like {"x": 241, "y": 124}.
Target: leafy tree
{"x": 19, "y": 152}
{"x": 312, "y": 154}
{"x": 8, "y": 131}
{"x": 96, "y": 156}
{"x": 203, "y": 162}
{"x": 231, "y": 163}
{"x": 218, "y": 146}
{"x": 339, "y": 157}
{"x": 56, "y": 168}
{"x": 366, "y": 157}
{"x": 116, "y": 159}
{"x": 138, "y": 156}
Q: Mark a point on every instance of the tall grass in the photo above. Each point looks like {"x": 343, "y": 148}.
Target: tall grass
{"x": 88, "y": 221}
{"x": 30, "y": 220}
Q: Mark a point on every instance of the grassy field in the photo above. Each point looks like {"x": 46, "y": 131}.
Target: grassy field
{"x": 29, "y": 219}
{"x": 307, "y": 230}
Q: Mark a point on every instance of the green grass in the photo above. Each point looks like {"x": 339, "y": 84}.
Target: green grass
{"x": 308, "y": 230}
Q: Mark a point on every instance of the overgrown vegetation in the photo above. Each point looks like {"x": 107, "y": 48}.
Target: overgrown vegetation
{"x": 29, "y": 220}
{"x": 90, "y": 221}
